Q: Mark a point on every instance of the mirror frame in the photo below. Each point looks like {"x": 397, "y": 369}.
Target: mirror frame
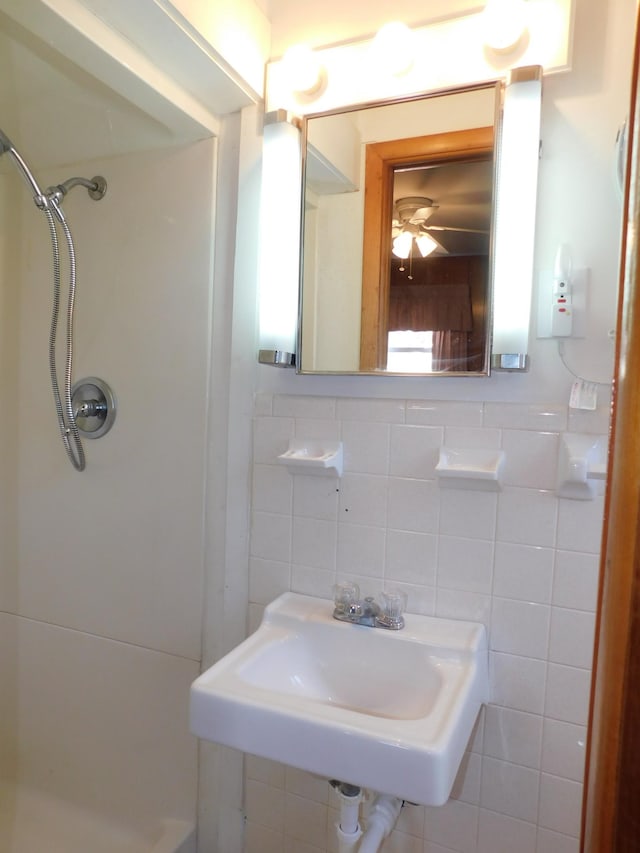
{"x": 377, "y": 261}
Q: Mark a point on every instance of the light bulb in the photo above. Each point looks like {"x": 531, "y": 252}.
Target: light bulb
{"x": 302, "y": 69}
{"x": 393, "y": 49}
{"x": 402, "y": 245}
{"x": 504, "y": 23}
{"x": 426, "y": 244}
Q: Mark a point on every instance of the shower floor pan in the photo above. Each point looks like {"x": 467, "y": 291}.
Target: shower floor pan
{"x": 32, "y": 822}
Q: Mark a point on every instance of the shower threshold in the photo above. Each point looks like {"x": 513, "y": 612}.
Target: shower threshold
{"x": 32, "y": 821}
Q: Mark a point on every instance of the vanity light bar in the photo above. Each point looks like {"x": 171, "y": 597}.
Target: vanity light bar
{"x": 279, "y": 215}
{"x": 517, "y": 185}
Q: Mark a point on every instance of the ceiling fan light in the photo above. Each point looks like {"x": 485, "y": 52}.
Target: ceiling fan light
{"x": 426, "y": 244}
{"x": 402, "y": 245}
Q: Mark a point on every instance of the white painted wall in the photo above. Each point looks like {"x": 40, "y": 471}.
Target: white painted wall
{"x": 238, "y": 30}
{"x": 227, "y": 508}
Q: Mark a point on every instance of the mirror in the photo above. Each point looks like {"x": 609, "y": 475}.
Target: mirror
{"x": 396, "y": 258}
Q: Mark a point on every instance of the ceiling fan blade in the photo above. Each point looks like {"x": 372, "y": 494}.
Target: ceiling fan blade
{"x": 454, "y": 228}
{"x": 424, "y": 213}
{"x": 441, "y": 249}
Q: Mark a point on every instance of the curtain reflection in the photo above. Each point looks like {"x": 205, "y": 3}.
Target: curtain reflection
{"x": 442, "y": 295}
{"x": 450, "y": 351}
{"x": 430, "y": 307}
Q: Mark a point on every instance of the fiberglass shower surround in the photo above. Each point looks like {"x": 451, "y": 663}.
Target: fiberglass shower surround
{"x": 71, "y": 407}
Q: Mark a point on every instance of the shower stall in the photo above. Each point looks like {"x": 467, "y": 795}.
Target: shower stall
{"x": 102, "y": 574}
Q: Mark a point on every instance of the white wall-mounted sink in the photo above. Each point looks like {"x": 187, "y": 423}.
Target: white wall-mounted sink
{"x": 387, "y": 710}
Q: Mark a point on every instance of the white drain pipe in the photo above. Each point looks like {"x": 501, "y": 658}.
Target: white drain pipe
{"x": 382, "y": 818}
{"x": 348, "y": 829}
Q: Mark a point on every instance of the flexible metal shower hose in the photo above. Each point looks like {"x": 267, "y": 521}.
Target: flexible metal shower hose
{"x": 66, "y": 418}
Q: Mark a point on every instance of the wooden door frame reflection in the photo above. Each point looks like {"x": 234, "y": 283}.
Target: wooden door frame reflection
{"x": 381, "y": 159}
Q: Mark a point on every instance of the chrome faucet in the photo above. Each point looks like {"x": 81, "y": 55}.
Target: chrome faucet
{"x": 349, "y": 607}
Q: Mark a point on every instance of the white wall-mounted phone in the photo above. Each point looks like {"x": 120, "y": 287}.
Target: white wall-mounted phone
{"x": 562, "y": 299}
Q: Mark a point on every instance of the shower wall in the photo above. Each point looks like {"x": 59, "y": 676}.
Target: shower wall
{"x": 9, "y": 318}
{"x": 105, "y": 611}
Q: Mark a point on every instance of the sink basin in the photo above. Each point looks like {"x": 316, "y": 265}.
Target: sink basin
{"x": 387, "y": 710}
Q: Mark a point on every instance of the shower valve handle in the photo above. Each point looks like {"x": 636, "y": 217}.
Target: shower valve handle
{"x": 94, "y": 406}
{"x": 91, "y": 409}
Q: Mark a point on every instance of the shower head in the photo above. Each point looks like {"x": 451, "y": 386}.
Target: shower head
{"x": 7, "y": 145}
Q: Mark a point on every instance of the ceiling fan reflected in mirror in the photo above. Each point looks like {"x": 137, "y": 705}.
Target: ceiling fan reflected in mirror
{"x": 411, "y": 215}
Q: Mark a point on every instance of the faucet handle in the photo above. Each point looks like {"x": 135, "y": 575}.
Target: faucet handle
{"x": 394, "y": 603}
{"x": 346, "y": 597}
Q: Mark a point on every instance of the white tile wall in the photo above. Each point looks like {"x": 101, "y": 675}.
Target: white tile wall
{"x": 513, "y": 736}
{"x": 523, "y": 561}
{"x": 498, "y": 833}
{"x": 524, "y": 572}
{"x": 563, "y": 749}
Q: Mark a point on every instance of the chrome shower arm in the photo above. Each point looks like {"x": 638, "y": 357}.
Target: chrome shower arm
{"x": 97, "y": 187}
